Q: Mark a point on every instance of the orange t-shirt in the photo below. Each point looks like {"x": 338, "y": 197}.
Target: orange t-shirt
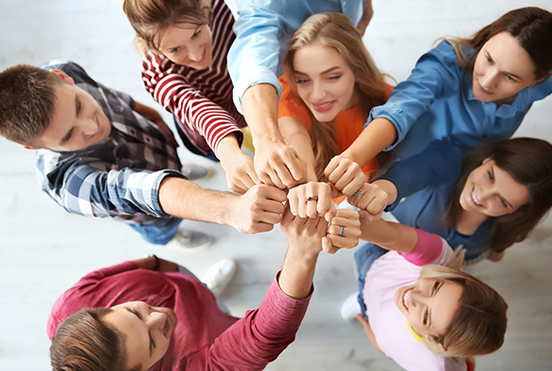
{"x": 347, "y": 124}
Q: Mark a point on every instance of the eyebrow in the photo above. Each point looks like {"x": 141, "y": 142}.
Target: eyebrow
{"x": 178, "y": 46}
{"x": 428, "y": 311}
{"x": 505, "y": 200}
{"x": 505, "y": 72}
{"x": 135, "y": 312}
{"x": 322, "y": 73}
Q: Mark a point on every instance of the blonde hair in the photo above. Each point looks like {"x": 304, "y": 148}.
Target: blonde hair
{"x": 479, "y": 324}
{"x": 336, "y": 30}
{"x": 151, "y": 18}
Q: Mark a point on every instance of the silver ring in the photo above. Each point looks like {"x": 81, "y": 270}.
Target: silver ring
{"x": 358, "y": 193}
{"x": 341, "y": 231}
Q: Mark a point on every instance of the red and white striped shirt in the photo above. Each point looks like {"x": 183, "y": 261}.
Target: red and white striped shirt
{"x": 200, "y": 99}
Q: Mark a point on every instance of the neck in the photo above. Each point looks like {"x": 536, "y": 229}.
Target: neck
{"x": 469, "y": 222}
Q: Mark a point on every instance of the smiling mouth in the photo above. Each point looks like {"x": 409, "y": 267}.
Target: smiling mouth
{"x": 474, "y": 198}
{"x": 406, "y": 296}
{"x": 323, "y": 107}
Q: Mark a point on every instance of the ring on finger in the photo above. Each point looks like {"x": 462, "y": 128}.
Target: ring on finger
{"x": 341, "y": 231}
{"x": 358, "y": 193}
{"x": 311, "y": 198}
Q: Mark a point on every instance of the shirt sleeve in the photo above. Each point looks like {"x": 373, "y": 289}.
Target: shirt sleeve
{"x": 439, "y": 163}
{"x": 428, "y": 248}
{"x": 88, "y": 187}
{"x": 259, "y": 337}
{"x": 291, "y": 105}
{"x": 436, "y": 74}
{"x": 167, "y": 85}
{"x": 253, "y": 57}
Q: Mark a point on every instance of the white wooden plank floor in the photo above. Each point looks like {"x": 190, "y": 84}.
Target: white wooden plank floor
{"x": 44, "y": 250}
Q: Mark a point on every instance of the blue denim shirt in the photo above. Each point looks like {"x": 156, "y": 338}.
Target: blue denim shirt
{"x": 263, "y": 30}
{"x": 437, "y": 102}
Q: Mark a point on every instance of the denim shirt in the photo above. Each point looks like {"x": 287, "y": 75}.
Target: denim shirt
{"x": 263, "y": 30}
{"x": 437, "y": 102}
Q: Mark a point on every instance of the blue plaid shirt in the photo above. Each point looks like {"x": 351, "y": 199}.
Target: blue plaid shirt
{"x": 118, "y": 177}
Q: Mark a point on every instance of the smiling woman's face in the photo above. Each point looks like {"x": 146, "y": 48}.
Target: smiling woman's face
{"x": 147, "y": 331}
{"x": 429, "y": 305}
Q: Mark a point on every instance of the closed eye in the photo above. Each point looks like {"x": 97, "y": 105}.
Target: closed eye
{"x": 175, "y": 50}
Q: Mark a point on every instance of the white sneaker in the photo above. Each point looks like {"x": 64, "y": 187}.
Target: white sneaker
{"x": 219, "y": 275}
{"x": 350, "y": 307}
{"x": 189, "y": 240}
{"x": 195, "y": 171}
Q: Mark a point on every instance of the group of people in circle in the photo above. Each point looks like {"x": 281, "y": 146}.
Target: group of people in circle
{"x": 433, "y": 152}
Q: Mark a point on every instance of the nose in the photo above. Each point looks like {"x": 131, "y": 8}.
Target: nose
{"x": 318, "y": 92}
{"x": 89, "y": 127}
{"x": 195, "y": 54}
{"x": 156, "y": 320}
{"x": 489, "y": 78}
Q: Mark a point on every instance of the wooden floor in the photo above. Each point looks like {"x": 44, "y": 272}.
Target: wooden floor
{"x": 44, "y": 250}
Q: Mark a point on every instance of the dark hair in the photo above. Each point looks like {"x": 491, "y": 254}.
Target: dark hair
{"x": 336, "y": 30}
{"x": 532, "y": 28}
{"x": 84, "y": 343}
{"x": 27, "y": 102}
{"x": 529, "y": 162}
{"x": 150, "y": 18}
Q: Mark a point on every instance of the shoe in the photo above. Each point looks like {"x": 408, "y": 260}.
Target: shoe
{"x": 219, "y": 275}
{"x": 350, "y": 307}
{"x": 191, "y": 240}
{"x": 196, "y": 171}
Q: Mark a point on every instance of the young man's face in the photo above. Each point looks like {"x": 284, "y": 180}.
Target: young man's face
{"x": 78, "y": 120}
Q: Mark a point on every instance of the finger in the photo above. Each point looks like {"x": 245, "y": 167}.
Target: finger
{"x": 330, "y": 214}
{"x": 311, "y": 208}
{"x": 324, "y": 203}
{"x": 347, "y": 242}
{"x": 284, "y": 176}
{"x": 332, "y": 165}
{"x": 297, "y": 168}
{"x": 357, "y": 179}
{"x": 327, "y": 246}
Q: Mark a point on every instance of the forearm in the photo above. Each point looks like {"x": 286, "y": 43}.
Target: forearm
{"x": 260, "y": 109}
{"x": 377, "y": 136}
{"x": 389, "y": 235}
{"x": 228, "y": 148}
{"x": 184, "y": 199}
{"x": 297, "y": 273}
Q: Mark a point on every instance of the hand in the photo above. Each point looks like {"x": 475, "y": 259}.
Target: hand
{"x": 495, "y": 256}
{"x": 367, "y": 14}
{"x": 300, "y": 205}
{"x": 346, "y": 175}
{"x": 372, "y": 200}
{"x": 240, "y": 173}
{"x": 258, "y": 209}
{"x": 350, "y": 221}
{"x": 278, "y": 164}
{"x": 304, "y": 234}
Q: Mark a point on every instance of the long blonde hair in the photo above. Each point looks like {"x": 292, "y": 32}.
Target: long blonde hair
{"x": 336, "y": 30}
{"x": 479, "y": 324}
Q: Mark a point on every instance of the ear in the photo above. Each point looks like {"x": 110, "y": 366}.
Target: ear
{"x": 28, "y": 147}
{"x": 62, "y": 75}
{"x": 432, "y": 339}
{"x": 540, "y": 80}
{"x": 486, "y": 160}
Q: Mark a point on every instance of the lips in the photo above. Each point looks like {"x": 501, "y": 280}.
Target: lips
{"x": 486, "y": 92}
{"x": 323, "y": 107}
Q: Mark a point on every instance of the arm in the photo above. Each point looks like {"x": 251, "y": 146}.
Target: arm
{"x": 275, "y": 162}
{"x": 165, "y": 82}
{"x": 255, "y": 211}
{"x": 369, "y": 332}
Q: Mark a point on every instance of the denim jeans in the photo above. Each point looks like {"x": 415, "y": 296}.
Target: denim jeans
{"x": 160, "y": 232}
{"x": 365, "y": 256}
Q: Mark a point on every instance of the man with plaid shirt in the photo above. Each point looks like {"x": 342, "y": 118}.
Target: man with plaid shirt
{"x": 101, "y": 154}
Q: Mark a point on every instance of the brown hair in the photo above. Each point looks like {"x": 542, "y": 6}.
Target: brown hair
{"x": 151, "y": 18}
{"x": 532, "y": 28}
{"x": 27, "y": 102}
{"x": 84, "y": 343}
{"x": 479, "y": 324}
{"x": 529, "y": 162}
{"x": 336, "y": 30}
